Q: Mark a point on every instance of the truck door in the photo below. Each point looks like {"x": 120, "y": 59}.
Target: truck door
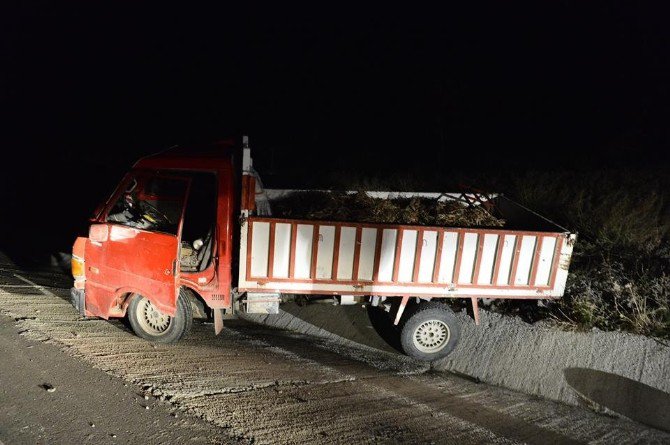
{"x": 134, "y": 248}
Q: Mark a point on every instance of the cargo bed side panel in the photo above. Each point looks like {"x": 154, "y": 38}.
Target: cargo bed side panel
{"x": 310, "y": 257}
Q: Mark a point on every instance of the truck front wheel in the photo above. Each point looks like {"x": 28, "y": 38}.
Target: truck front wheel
{"x": 430, "y": 332}
{"x": 153, "y": 325}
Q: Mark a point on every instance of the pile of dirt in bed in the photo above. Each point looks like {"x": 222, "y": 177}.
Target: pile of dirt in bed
{"x": 359, "y": 207}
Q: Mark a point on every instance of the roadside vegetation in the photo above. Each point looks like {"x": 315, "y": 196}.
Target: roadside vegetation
{"x": 620, "y": 273}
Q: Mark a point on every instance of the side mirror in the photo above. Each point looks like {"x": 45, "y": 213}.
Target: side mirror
{"x": 98, "y": 233}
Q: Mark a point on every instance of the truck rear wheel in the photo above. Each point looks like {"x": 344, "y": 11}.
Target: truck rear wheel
{"x": 430, "y": 332}
{"x": 153, "y": 325}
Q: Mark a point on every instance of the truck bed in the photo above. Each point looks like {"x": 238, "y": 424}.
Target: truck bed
{"x": 529, "y": 258}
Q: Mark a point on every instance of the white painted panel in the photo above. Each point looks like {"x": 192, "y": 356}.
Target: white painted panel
{"x": 525, "y": 259}
{"x": 468, "y": 258}
{"x": 345, "y": 262}
{"x": 506, "y": 260}
{"x": 260, "y": 244}
{"x": 429, "y": 243}
{"x": 324, "y": 257}
{"x": 303, "y": 250}
{"x": 367, "y": 259}
{"x": 448, "y": 259}
{"x": 387, "y": 258}
{"x": 546, "y": 256}
{"x": 282, "y": 250}
{"x": 488, "y": 259}
{"x": 407, "y": 255}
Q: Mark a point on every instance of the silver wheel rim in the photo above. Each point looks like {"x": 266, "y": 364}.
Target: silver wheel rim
{"x": 431, "y": 336}
{"x": 152, "y": 320}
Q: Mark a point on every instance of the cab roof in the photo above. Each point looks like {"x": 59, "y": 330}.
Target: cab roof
{"x": 211, "y": 156}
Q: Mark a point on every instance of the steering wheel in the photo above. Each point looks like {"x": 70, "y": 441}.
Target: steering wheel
{"x": 153, "y": 215}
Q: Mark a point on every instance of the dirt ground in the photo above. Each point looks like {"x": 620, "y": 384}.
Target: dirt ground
{"x": 251, "y": 384}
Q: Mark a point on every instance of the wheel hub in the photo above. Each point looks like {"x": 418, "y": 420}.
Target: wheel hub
{"x": 431, "y": 336}
{"x": 152, "y": 319}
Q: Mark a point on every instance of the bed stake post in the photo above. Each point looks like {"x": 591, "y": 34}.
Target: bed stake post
{"x": 401, "y": 309}
{"x": 475, "y": 309}
{"x": 218, "y": 321}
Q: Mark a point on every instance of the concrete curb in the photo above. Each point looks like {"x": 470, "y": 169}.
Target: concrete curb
{"x": 534, "y": 358}
{"x": 609, "y": 371}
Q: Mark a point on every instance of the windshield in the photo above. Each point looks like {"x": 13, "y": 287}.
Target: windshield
{"x": 150, "y": 201}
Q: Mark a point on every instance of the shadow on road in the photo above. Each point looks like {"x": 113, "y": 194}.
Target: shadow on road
{"x": 622, "y": 395}
{"x": 350, "y": 322}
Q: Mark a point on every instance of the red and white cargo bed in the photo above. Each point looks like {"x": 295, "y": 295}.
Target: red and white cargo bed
{"x": 346, "y": 258}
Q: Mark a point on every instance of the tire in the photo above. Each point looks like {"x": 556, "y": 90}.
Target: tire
{"x": 430, "y": 332}
{"x": 149, "y": 323}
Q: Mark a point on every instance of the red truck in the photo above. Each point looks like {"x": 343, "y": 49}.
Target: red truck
{"x": 189, "y": 233}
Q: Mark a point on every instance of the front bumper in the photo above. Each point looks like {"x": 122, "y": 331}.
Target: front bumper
{"x": 78, "y": 300}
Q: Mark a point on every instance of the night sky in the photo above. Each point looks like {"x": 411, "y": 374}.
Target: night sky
{"x": 87, "y": 88}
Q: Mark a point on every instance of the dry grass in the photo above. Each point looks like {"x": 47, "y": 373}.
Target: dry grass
{"x": 359, "y": 207}
{"x": 620, "y": 275}
{"x": 609, "y": 297}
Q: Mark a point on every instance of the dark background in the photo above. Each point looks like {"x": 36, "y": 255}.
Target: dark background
{"x": 325, "y": 93}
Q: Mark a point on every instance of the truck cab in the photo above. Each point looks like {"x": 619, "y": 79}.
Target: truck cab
{"x": 164, "y": 236}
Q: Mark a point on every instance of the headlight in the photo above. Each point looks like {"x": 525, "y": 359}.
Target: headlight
{"x": 78, "y": 270}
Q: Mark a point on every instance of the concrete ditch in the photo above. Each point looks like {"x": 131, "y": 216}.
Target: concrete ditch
{"x": 611, "y": 372}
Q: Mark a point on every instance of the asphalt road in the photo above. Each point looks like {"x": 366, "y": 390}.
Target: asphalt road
{"x": 47, "y": 396}
{"x": 251, "y": 384}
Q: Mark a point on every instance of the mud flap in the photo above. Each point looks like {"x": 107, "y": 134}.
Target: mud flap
{"x": 218, "y": 321}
